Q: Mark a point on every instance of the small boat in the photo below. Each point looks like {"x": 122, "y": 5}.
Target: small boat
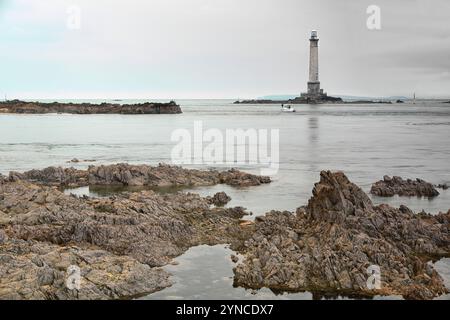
{"x": 287, "y": 108}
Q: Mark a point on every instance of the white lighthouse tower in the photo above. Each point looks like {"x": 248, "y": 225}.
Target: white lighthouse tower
{"x": 314, "y": 93}
{"x": 314, "y": 83}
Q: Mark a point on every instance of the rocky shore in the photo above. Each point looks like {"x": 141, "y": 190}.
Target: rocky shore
{"x": 328, "y": 246}
{"x": 138, "y": 175}
{"x": 17, "y": 106}
{"x": 388, "y": 187}
{"x": 119, "y": 243}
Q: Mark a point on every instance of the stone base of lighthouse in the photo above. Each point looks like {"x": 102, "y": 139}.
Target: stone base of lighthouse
{"x": 314, "y": 98}
{"x": 315, "y": 94}
{"x": 314, "y": 88}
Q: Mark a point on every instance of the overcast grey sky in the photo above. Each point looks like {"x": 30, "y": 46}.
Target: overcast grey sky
{"x": 221, "y": 48}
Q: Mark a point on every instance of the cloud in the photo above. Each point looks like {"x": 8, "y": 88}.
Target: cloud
{"x": 220, "y": 48}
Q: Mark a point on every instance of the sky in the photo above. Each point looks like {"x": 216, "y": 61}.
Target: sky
{"x": 186, "y": 49}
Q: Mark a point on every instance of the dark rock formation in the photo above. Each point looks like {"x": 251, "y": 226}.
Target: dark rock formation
{"x": 219, "y": 199}
{"x": 299, "y": 100}
{"x": 443, "y": 186}
{"x": 119, "y": 243}
{"x": 75, "y": 160}
{"x": 309, "y": 100}
{"x": 238, "y": 178}
{"x": 17, "y": 106}
{"x": 54, "y": 176}
{"x": 367, "y": 102}
{"x": 328, "y": 246}
{"x": 260, "y": 101}
{"x": 138, "y": 175}
{"x": 315, "y": 99}
{"x": 389, "y": 187}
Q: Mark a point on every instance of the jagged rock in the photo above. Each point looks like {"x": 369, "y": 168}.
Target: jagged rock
{"x": 33, "y": 270}
{"x": 138, "y": 175}
{"x": 443, "y": 186}
{"x": 54, "y": 176}
{"x": 166, "y": 175}
{"x": 238, "y": 178}
{"x": 219, "y": 199}
{"x": 3, "y": 236}
{"x": 330, "y": 243}
{"x": 326, "y": 246}
{"x": 17, "y": 106}
{"x": 134, "y": 233}
{"x": 389, "y": 187}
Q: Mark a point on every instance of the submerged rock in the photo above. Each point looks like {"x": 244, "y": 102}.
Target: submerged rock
{"x": 76, "y": 160}
{"x": 138, "y": 175}
{"x": 389, "y": 187}
{"x": 443, "y": 186}
{"x": 331, "y": 244}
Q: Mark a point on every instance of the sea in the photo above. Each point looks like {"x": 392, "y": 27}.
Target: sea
{"x": 365, "y": 141}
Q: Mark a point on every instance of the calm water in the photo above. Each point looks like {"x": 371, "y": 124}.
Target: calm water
{"x": 365, "y": 141}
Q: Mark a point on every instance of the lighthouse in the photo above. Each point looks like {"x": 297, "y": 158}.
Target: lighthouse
{"x": 314, "y": 94}
{"x": 314, "y": 83}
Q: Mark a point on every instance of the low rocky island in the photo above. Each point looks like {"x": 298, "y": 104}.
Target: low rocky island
{"x": 303, "y": 100}
{"x": 390, "y": 186}
{"x": 298, "y": 100}
{"x": 17, "y": 106}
